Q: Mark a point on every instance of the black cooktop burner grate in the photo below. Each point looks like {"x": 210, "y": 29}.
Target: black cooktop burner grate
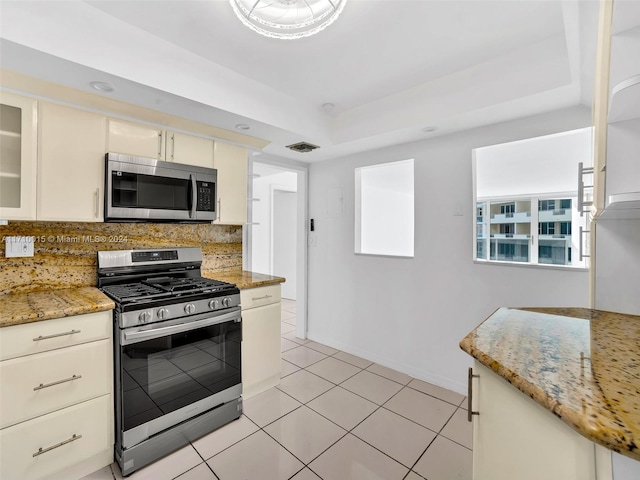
{"x": 153, "y": 288}
{"x": 131, "y": 290}
{"x": 182, "y": 284}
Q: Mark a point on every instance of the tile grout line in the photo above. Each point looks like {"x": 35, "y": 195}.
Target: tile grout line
{"x": 405, "y": 385}
{"x": 203, "y": 460}
{"x": 434, "y": 439}
{"x": 351, "y": 431}
{"x": 379, "y": 406}
{"x": 369, "y": 400}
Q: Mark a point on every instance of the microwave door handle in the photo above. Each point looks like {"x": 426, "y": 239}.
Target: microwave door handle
{"x": 194, "y": 196}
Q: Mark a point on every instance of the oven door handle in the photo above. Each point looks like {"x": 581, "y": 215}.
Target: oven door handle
{"x": 150, "y": 334}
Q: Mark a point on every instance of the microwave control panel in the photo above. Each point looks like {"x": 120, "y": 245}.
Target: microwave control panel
{"x": 206, "y": 197}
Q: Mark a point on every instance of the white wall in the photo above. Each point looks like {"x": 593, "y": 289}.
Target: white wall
{"x": 618, "y": 266}
{"x": 410, "y": 314}
{"x": 261, "y": 247}
{"x": 285, "y": 227}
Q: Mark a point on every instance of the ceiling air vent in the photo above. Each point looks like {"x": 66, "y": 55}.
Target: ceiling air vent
{"x": 303, "y": 147}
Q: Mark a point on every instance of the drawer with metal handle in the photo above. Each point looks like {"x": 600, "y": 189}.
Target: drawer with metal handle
{"x": 38, "y": 384}
{"x": 43, "y": 448}
{"x": 260, "y": 296}
{"x": 46, "y": 335}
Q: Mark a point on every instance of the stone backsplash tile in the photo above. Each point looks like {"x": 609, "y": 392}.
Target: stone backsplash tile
{"x": 65, "y": 252}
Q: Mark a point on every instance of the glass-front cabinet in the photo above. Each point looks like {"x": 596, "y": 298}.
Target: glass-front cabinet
{"x": 18, "y": 116}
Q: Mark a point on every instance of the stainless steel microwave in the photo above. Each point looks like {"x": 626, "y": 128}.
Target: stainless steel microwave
{"x": 147, "y": 190}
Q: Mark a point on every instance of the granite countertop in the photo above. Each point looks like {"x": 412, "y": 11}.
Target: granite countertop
{"x": 27, "y": 307}
{"x": 582, "y": 365}
{"x": 244, "y": 278}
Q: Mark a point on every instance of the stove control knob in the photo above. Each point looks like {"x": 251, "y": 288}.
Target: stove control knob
{"x": 226, "y": 302}
{"x": 144, "y": 317}
{"x": 213, "y": 304}
{"x": 162, "y": 313}
{"x": 189, "y": 308}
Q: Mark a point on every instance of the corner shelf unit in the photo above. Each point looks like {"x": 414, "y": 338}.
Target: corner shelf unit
{"x": 625, "y": 100}
{"x": 622, "y": 177}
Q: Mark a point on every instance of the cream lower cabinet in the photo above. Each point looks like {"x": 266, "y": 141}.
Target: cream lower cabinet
{"x": 261, "y": 316}
{"x": 71, "y": 149}
{"x": 56, "y": 403}
{"x": 231, "y": 162}
{"x": 516, "y": 438}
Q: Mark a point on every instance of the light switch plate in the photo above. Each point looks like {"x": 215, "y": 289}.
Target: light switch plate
{"x": 18, "y": 246}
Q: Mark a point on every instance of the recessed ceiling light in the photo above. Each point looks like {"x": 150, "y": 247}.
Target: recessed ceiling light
{"x": 102, "y": 87}
{"x": 242, "y": 126}
{"x": 328, "y": 107}
{"x": 429, "y": 129}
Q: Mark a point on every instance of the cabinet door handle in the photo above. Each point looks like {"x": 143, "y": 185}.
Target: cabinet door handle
{"x": 173, "y": 147}
{"x": 261, "y": 298}
{"x": 160, "y": 145}
{"x": 581, "y": 186}
{"x": 47, "y": 337}
{"x": 48, "y": 449}
{"x": 582, "y": 254}
{"x": 70, "y": 379}
{"x": 96, "y": 203}
{"x": 470, "y": 378}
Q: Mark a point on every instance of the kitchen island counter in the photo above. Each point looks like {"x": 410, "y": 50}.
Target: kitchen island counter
{"x": 244, "y": 278}
{"x": 27, "y": 307}
{"x": 582, "y": 365}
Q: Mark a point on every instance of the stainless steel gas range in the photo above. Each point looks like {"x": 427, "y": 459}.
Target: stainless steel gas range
{"x": 177, "y": 339}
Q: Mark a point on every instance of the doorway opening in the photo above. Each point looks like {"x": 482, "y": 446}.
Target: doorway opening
{"x": 276, "y": 237}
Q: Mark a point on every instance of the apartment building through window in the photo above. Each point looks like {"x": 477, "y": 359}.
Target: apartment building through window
{"x": 526, "y": 194}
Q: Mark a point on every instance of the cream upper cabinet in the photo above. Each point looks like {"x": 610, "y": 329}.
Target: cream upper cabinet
{"x": 18, "y": 149}
{"x": 70, "y": 164}
{"x": 514, "y": 437}
{"x": 153, "y": 142}
{"x": 190, "y": 150}
{"x": 231, "y": 162}
{"x": 135, "y": 139}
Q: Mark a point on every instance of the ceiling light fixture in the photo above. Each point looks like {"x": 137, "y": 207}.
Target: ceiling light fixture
{"x": 242, "y": 126}
{"x": 287, "y": 19}
{"x": 103, "y": 87}
{"x": 429, "y": 129}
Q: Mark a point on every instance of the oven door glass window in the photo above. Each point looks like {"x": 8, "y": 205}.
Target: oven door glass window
{"x": 167, "y": 373}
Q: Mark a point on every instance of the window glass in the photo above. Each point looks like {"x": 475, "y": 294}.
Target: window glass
{"x": 511, "y": 178}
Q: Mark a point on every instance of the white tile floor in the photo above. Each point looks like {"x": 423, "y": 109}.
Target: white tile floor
{"x": 334, "y": 416}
